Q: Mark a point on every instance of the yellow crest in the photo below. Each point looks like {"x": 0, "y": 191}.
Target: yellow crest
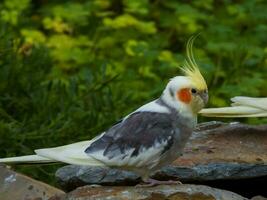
{"x": 191, "y": 69}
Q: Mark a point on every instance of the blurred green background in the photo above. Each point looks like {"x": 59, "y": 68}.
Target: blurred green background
{"x": 70, "y": 69}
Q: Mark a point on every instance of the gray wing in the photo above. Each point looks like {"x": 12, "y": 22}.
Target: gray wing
{"x": 141, "y": 136}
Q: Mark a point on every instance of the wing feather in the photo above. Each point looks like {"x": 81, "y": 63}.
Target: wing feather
{"x": 138, "y": 140}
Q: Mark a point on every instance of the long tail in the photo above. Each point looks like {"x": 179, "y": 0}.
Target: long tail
{"x": 26, "y": 159}
{"x": 71, "y": 154}
{"x": 241, "y": 107}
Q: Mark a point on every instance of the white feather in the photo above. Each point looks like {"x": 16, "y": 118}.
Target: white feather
{"x": 71, "y": 154}
{"x": 147, "y": 157}
{"x": 241, "y": 107}
{"x": 250, "y": 101}
{"x": 26, "y": 159}
{"x": 153, "y": 107}
{"x": 150, "y": 107}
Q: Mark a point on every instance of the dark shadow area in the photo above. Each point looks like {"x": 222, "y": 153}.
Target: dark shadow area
{"x": 245, "y": 187}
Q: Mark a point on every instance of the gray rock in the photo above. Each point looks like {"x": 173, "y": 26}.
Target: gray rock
{"x": 213, "y": 171}
{"x": 194, "y": 192}
{"x": 15, "y": 186}
{"x": 73, "y": 176}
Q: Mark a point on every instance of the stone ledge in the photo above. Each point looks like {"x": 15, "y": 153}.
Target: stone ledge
{"x": 183, "y": 192}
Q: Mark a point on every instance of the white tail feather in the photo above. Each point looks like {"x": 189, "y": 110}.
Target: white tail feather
{"x": 26, "y": 159}
{"x": 241, "y": 107}
{"x": 71, "y": 154}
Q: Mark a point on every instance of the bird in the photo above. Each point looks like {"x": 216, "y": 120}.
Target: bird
{"x": 242, "y": 106}
{"x": 147, "y": 139}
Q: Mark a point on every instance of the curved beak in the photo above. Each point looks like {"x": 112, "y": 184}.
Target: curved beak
{"x": 204, "y": 96}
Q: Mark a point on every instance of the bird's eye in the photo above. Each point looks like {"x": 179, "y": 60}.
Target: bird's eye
{"x": 193, "y": 91}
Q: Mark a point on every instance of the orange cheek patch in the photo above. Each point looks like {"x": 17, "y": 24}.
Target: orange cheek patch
{"x": 184, "y": 95}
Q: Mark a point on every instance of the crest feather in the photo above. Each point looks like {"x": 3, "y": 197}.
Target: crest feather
{"x": 191, "y": 69}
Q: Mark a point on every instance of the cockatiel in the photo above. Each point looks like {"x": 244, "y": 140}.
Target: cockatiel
{"x": 241, "y": 107}
{"x": 147, "y": 139}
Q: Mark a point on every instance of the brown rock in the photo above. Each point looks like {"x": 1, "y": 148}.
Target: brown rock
{"x": 216, "y": 142}
{"x": 179, "y": 192}
{"x": 15, "y": 186}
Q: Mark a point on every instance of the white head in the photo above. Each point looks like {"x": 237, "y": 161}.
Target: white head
{"x": 188, "y": 93}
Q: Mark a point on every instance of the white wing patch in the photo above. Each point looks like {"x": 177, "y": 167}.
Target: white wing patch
{"x": 151, "y": 107}
{"x": 147, "y": 157}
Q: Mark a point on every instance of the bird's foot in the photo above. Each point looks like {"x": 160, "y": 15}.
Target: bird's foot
{"x": 152, "y": 182}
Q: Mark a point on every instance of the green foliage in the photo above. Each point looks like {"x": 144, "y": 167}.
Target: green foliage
{"x": 70, "y": 69}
